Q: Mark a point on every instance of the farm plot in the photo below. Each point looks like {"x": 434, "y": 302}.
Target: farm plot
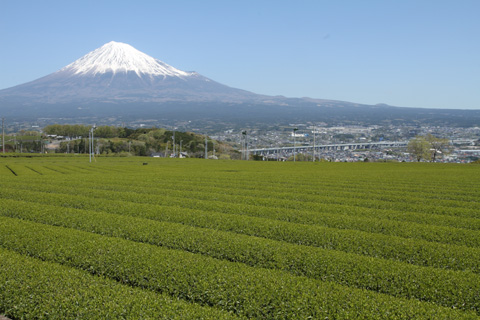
{"x": 230, "y": 239}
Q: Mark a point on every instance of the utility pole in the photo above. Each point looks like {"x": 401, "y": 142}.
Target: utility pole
{"x": 244, "y": 144}
{"x": 294, "y": 144}
{"x": 206, "y": 147}
{"x": 91, "y": 144}
{"x": 3, "y": 135}
{"x": 173, "y": 138}
{"x": 314, "y": 132}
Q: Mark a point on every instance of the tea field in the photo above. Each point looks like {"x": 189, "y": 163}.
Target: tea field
{"x": 148, "y": 238}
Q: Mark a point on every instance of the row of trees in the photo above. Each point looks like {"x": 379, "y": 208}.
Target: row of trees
{"x": 194, "y": 148}
{"x": 140, "y": 142}
{"x": 24, "y": 141}
{"x": 79, "y": 130}
{"x": 104, "y": 146}
{"x": 428, "y": 147}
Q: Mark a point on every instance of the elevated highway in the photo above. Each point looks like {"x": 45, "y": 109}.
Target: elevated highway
{"x": 331, "y": 147}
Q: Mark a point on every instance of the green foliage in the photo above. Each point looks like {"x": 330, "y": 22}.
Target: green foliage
{"x": 243, "y": 290}
{"x": 261, "y": 240}
{"x": 139, "y": 142}
{"x": 34, "y": 289}
{"x": 348, "y": 269}
{"x": 257, "y": 157}
{"x": 428, "y": 147}
{"x": 67, "y": 130}
{"x": 438, "y": 146}
{"x": 419, "y": 148}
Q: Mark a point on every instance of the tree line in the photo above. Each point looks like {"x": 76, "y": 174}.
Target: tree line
{"x": 79, "y": 130}
{"x": 140, "y": 142}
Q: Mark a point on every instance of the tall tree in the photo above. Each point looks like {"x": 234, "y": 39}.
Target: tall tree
{"x": 428, "y": 147}
{"x": 419, "y": 147}
{"x": 438, "y": 146}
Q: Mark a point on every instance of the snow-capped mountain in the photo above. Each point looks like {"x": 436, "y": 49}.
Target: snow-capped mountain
{"x": 116, "y": 80}
{"x": 117, "y": 72}
{"x": 117, "y": 57}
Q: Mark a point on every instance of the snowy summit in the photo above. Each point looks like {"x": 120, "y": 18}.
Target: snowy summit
{"x": 118, "y": 73}
{"x": 117, "y": 57}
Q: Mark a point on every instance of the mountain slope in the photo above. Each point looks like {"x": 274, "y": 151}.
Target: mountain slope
{"x": 116, "y": 80}
{"x": 118, "y": 72}
{"x": 120, "y": 57}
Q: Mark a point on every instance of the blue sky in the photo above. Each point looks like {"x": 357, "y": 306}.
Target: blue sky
{"x": 412, "y": 53}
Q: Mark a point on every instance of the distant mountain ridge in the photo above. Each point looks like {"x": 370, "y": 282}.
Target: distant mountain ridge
{"x": 118, "y": 72}
{"x": 119, "y": 80}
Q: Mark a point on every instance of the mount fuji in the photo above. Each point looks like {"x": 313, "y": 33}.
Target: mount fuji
{"x": 117, "y": 72}
{"x": 118, "y": 81}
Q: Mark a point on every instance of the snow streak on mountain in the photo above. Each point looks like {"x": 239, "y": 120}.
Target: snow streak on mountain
{"x": 117, "y": 72}
{"x": 121, "y": 57}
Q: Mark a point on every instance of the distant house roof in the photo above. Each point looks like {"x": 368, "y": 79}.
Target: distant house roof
{"x": 157, "y": 155}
